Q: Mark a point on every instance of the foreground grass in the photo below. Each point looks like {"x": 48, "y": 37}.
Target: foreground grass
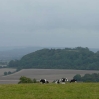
{"x": 50, "y": 91}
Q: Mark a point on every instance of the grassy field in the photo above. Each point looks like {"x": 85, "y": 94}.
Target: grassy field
{"x": 50, "y": 91}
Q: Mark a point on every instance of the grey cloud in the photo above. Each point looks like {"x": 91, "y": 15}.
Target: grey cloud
{"x": 39, "y": 21}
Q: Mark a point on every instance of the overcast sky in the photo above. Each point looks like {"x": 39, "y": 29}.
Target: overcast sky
{"x": 49, "y": 23}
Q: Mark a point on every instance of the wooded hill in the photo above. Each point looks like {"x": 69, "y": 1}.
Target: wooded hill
{"x": 68, "y": 58}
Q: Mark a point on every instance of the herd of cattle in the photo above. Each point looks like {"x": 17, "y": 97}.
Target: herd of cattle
{"x": 58, "y": 81}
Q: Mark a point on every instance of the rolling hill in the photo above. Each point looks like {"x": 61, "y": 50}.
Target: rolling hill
{"x": 68, "y": 58}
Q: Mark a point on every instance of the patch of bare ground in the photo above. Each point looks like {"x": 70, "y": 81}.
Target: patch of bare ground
{"x": 49, "y": 74}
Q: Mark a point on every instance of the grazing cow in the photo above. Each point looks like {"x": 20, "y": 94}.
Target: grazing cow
{"x": 73, "y": 80}
{"x": 63, "y": 80}
{"x": 43, "y": 81}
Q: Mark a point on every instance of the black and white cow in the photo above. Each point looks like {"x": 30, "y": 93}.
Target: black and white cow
{"x": 73, "y": 80}
{"x": 63, "y": 80}
{"x": 43, "y": 81}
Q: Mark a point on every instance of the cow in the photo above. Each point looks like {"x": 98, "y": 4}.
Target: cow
{"x": 63, "y": 80}
{"x": 44, "y": 81}
{"x": 73, "y": 80}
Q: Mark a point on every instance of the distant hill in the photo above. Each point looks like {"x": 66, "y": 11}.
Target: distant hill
{"x": 68, "y": 58}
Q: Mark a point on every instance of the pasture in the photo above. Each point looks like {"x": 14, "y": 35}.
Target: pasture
{"x": 50, "y": 91}
{"x": 49, "y": 74}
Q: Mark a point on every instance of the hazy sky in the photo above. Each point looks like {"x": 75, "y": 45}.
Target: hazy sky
{"x": 49, "y": 23}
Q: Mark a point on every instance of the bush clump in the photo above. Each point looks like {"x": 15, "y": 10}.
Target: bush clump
{"x": 24, "y": 79}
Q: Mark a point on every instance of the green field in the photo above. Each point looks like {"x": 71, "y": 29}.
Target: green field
{"x": 50, "y": 91}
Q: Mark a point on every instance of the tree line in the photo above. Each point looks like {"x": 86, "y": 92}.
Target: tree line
{"x": 68, "y": 58}
{"x": 87, "y": 77}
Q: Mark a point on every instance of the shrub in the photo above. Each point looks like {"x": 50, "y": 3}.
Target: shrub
{"x": 5, "y": 73}
{"x": 9, "y": 72}
{"x": 24, "y": 79}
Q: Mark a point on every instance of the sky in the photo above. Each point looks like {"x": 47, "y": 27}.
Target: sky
{"x": 49, "y": 23}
